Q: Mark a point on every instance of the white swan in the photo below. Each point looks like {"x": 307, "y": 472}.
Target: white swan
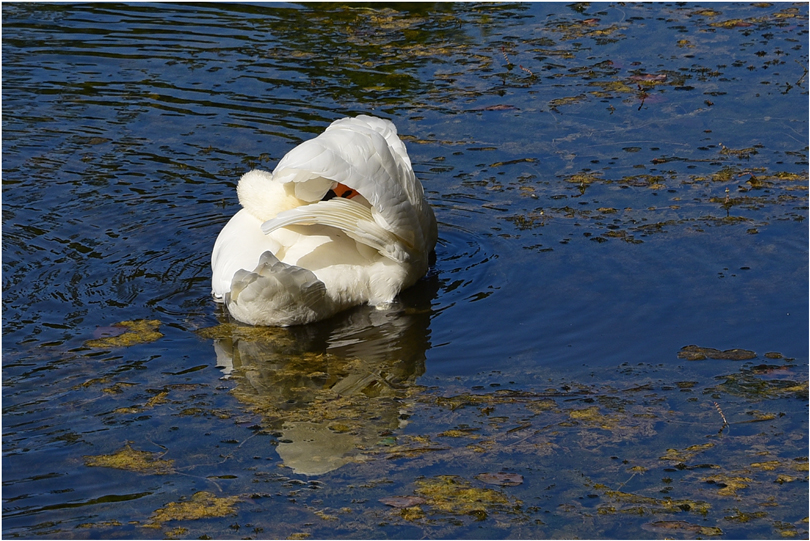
{"x": 293, "y": 255}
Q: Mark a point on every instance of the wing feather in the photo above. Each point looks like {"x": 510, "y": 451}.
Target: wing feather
{"x": 363, "y": 153}
{"x": 354, "y": 218}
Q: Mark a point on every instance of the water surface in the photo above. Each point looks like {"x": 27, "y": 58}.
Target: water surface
{"x": 613, "y": 184}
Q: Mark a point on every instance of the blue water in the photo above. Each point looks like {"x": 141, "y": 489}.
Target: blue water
{"x": 612, "y": 183}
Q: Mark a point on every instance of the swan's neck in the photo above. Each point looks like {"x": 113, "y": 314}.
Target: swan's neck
{"x": 265, "y": 198}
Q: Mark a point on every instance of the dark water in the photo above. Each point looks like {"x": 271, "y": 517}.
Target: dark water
{"x": 613, "y": 183}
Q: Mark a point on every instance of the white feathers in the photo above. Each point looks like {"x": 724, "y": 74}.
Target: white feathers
{"x": 277, "y": 294}
{"x": 290, "y": 257}
{"x": 365, "y": 154}
{"x": 263, "y": 197}
{"x": 355, "y": 219}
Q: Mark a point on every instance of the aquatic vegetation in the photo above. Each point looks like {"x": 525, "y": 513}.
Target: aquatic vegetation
{"x": 141, "y": 331}
{"x": 130, "y": 459}
{"x": 745, "y": 517}
{"x": 729, "y": 484}
{"x": 681, "y": 526}
{"x": 592, "y": 415}
{"x": 158, "y": 398}
{"x": 252, "y": 333}
{"x": 452, "y": 495}
{"x": 747, "y": 383}
{"x": 511, "y": 425}
{"x": 201, "y": 505}
{"x": 555, "y": 104}
{"x": 610, "y": 180}
{"x": 686, "y": 454}
{"x": 623, "y": 502}
{"x": 697, "y": 353}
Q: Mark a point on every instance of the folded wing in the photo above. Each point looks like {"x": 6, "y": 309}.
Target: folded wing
{"x": 363, "y": 153}
{"x": 354, "y": 218}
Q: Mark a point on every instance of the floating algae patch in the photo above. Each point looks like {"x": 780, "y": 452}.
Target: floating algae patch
{"x": 742, "y": 153}
{"x": 414, "y": 446}
{"x": 612, "y": 86}
{"x": 732, "y": 23}
{"x": 176, "y": 533}
{"x": 570, "y": 100}
{"x": 541, "y": 405}
{"x": 131, "y": 460}
{"x": 139, "y": 331}
{"x": 697, "y": 353}
{"x": 316, "y": 388}
{"x": 681, "y": 526}
{"x": 742, "y": 517}
{"x": 232, "y": 331}
{"x": 583, "y": 179}
{"x": 201, "y": 505}
{"x": 453, "y": 495}
{"x": 729, "y": 484}
{"x": 159, "y": 398}
{"x": 539, "y": 401}
{"x": 782, "y": 479}
{"x": 636, "y": 504}
{"x": 100, "y": 524}
{"x": 687, "y": 453}
{"x": 655, "y": 182}
{"x": 593, "y": 416}
{"x": 455, "y": 433}
{"x": 768, "y": 465}
{"x": 747, "y": 384}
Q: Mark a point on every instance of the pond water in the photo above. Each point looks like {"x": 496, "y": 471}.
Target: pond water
{"x": 611, "y": 343}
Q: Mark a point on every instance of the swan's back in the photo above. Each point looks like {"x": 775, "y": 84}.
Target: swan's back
{"x": 365, "y": 154}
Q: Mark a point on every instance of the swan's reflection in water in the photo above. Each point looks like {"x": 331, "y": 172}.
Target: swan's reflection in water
{"x": 330, "y": 390}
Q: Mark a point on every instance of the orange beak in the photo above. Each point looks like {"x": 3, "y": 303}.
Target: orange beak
{"x": 344, "y": 191}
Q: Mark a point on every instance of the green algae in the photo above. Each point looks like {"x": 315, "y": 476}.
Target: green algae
{"x": 655, "y": 182}
{"x": 247, "y": 332}
{"x": 535, "y": 433}
{"x": 583, "y": 179}
{"x": 743, "y": 517}
{"x": 750, "y": 385}
{"x": 555, "y": 104}
{"x": 593, "y": 415}
{"x": 728, "y": 484}
{"x": 140, "y": 331}
{"x": 539, "y": 424}
{"x": 697, "y": 353}
{"x": 683, "y": 527}
{"x": 741, "y": 153}
{"x": 683, "y": 455}
{"x": 635, "y": 503}
{"x": 201, "y": 505}
{"x": 158, "y": 398}
{"x": 130, "y": 459}
{"x": 453, "y": 495}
